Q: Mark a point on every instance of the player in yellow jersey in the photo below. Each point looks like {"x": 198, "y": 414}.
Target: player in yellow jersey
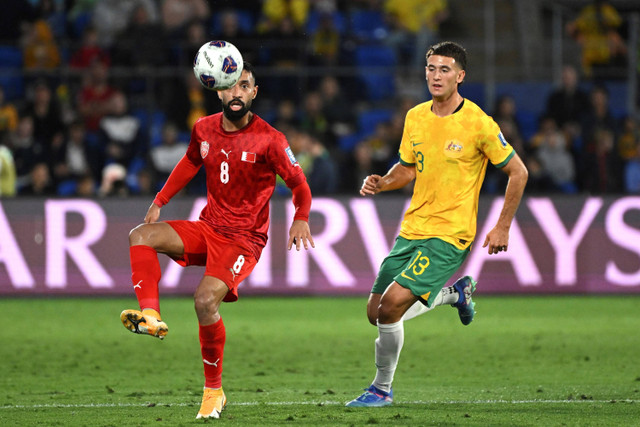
{"x": 446, "y": 145}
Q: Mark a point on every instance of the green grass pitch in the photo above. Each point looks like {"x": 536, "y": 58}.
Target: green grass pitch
{"x": 524, "y": 361}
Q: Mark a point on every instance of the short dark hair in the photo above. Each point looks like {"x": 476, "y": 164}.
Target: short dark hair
{"x": 450, "y": 50}
{"x": 248, "y": 67}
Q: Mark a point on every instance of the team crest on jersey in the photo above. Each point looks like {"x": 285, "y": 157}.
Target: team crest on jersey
{"x": 292, "y": 158}
{"x": 502, "y": 140}
{"x": 204, "y": 149}
{"x": 453, "y": 148}
{"x": 248, "y": 157}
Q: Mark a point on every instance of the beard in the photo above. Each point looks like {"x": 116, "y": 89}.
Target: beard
{"x": 235, "y": 115}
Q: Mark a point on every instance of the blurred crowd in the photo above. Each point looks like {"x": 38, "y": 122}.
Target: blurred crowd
{"x": 104, "y": 97}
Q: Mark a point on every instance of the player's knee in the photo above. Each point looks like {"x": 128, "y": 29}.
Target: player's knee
{"x": 387, "y": 314}
{"x": 205, "y": 304}
{"x": 372, "y": 308}
{"x": 139, "y": 236}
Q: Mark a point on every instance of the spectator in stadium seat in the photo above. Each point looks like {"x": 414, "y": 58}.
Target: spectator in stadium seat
{"x": 505, "y": 111}
{"x": 195, "y": 36}
{"x": 142, "y": 43}
{"x": 94, "y": 98}
{"x": 315, "y": 160}
{"x": 599, "y": 114}
{"x": 85, "y": 186}
{"x": 185, "y": 101}
{"x": 325, "y": 43}
{"x": 74, "y": 163}
{"x": 27, "y": 150}
{"x": 89, "y": 51}
{"x": 8, "y": 115}
{"x": 121, "y": 135}
{"x": 552, "y": 152}
{"x": 629, "y": 139}
{"x": 313, "y": 120}
{"x": 231, "y": 30}
{"x": 113, "y": 183}
{"x": 598, "y": 117}
{"x": 274, "y": 12}
{"x": 338, "y": 112}
{"x": 40, "y": 49}
{"x": 285, "y": 54}
{"x": 415, "y": 24}
{"x": 568, "y": 103}
{"x": 7, "y": 169}
{"x": 177, "y": 14}
{"x": 166, "y": 156}
{"x": 286, "y": 115}
{"x": 39, "y": 183}
{"x": 48, "y": 126}
{"x": 597, "y": 30}
{"x": 603, "y": 168}
{"x": 111, "y": 17}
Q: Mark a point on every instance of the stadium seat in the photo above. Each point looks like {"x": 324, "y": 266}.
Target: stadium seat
{"x": 368, "y": 120}
{"x": 529, "y": 97}
{"x": 13, "y": 85}
{"x": 348, "y": 142}
{"x": 368, "y": 24}
{"x": 474, "y": 92}
{"x": 617, "y": 98}
{"x": 528, "y": 122}
{"x": 67, "y": 188}
{"x": 158, "y": 120}
{"x": 376, "y": 66}
{"x": 142, "y": 115}
{"x": 11, "y": 57}
{"x": 11, "y": 77}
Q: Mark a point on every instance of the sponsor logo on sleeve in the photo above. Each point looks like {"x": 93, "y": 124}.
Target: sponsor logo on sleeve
{"x": 502, "y": 140}
{"x": 292, "y": 158}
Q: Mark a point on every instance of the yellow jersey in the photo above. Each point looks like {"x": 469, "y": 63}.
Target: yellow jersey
{"x": 450, "y": 155}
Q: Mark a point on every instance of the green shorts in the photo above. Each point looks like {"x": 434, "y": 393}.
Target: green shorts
{"x": 422, "y": 266}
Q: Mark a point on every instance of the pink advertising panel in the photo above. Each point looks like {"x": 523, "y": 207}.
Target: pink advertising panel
{"x": 559, "y": 245}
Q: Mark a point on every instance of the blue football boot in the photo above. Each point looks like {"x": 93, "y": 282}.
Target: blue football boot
{"x": 372, "y": 397}
{"x": 465, "y": 286}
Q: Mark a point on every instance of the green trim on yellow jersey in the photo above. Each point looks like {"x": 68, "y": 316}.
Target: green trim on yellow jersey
{"x": 403, "y": 163}
{"x": 504, "y": 163}
{"x": 450, "y": 155}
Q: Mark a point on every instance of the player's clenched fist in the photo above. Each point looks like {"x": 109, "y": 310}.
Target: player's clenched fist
{"x": 370, "y": 185}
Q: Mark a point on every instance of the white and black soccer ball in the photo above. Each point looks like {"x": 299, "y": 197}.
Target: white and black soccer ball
{"x": 218, "y": 65}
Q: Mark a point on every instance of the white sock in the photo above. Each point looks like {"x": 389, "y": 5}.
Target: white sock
{"x": 446, "y": 295}
{"x": 388, "y": 347}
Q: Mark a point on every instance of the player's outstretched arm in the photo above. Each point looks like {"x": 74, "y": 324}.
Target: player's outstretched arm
{"x": 498, "y": 238}
{"x": 153, "y": 213}
{"x": 398, "y": 176}
{"x": 300, "y": 235}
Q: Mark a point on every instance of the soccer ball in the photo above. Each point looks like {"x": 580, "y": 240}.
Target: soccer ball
{"x": 218, "y": 65}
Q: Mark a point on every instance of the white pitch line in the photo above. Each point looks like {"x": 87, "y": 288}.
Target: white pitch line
{"x": 328, "y": 402}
